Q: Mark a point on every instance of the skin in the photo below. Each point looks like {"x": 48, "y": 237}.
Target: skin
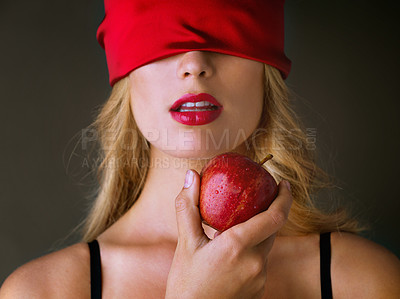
{"x": 159, "y": 249}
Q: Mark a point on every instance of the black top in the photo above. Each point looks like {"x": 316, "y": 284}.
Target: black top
{"x": 325, "y": 267}
{"x": 95, "y": 270}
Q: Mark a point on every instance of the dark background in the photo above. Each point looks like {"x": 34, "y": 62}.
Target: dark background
{"x": 53, "y": 77}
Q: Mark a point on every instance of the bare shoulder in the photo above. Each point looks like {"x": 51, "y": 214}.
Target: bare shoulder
{"x": 61, "y": 274}
{"x": 363, "y": 269}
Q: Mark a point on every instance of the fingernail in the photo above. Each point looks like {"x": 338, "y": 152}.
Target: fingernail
{"x": 287, "y": 185}
{"x": 188, "y": 179}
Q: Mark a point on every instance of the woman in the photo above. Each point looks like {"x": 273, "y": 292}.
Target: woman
{"x": 145, "y": 219}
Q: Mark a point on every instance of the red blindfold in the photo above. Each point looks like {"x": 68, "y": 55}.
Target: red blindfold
{"x": 136, "y": 32}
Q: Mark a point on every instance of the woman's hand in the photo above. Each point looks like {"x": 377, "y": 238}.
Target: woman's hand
{"x": 232, "y": 265}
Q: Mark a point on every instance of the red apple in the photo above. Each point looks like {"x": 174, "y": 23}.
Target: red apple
{"x": 233, "y": 189}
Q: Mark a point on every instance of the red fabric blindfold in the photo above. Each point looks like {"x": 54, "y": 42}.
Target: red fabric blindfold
{"x": 136, "y": 32}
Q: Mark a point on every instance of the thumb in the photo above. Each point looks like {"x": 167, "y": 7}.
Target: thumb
{"x": 187, "y": 212}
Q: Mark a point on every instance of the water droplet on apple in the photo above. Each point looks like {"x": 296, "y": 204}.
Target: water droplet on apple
{"x": 216, "y": 191}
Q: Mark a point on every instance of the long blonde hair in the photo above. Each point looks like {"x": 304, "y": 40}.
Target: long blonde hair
{"x": 125, "y": 162}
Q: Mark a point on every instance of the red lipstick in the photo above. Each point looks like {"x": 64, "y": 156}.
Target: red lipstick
{"x": 196, "y": 109}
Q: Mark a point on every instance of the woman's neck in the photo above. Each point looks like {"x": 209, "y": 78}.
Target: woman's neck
{"x": 152, "y": 218}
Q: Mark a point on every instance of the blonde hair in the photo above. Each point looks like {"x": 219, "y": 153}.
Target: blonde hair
{"x": 125, "y": 162}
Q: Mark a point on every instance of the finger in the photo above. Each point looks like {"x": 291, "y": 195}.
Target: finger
{"x": 187, "y": 212}
{"x": 265, "y": 224}
{"x": 217, "y": 233}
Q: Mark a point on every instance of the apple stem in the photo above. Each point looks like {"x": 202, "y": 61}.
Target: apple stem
{"x": 267, "y": 157}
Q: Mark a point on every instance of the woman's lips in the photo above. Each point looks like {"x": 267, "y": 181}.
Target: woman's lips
{"x": 196, "y": 110}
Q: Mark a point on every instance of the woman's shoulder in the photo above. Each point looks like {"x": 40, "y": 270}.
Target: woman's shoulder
{"x": 52, "y": 276}
{"x": 360, "y": 268}
{"x": 363, "y": 269}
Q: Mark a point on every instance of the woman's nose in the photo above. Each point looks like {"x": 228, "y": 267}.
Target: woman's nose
{"x": 195, "y": 64}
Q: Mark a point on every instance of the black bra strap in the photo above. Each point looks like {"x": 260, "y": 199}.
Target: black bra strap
{"x": 95, "y": 270}
{"x": 325, "y": 265}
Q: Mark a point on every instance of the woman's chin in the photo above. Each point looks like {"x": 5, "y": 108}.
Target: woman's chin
{"x": 195, "y": 154}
